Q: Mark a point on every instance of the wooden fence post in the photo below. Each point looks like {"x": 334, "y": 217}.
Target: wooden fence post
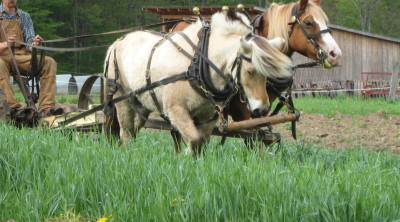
{"x": 395, "y": 81}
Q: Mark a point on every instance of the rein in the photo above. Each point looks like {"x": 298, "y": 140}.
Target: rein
{"x": 81, "y": 49}
{"x": 117, "y": 31}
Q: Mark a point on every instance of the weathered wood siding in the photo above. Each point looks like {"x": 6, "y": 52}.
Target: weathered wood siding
{"x": 362, "y": 52}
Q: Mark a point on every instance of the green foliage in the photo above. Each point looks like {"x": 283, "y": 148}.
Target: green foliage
{"x": 83, "y": 177}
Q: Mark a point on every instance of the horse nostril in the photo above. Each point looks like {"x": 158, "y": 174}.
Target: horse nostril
{"x": 332, "y": 53}
{"x": 256, "y": 112}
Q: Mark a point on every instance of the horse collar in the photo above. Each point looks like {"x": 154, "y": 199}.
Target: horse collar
{"x": 204, "y": 64}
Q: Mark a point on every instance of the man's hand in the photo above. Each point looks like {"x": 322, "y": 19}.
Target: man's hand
{"x": 37, "y": 40}
{"x": 10, "y": 41}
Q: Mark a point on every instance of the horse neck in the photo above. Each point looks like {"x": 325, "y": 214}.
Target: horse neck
{"x": 191, "y": 31}
{"x": 266, "y": 23}
{"x": 222, "y": 52}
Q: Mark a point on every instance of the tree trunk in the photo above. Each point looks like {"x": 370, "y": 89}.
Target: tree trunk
{"x": 365, "y": 8}
{"x": 75, "y": 19}
{"x": 394, "y": 81}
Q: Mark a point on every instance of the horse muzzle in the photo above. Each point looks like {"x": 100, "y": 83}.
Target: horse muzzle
{"x": 259, "y": 112}
{"x": 327, "y": 64}
{"x": 259, "y": 109}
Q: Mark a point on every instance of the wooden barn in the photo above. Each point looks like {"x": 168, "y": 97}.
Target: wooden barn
{"x": 368, "y": 62}
{"x": 368, "y": 59}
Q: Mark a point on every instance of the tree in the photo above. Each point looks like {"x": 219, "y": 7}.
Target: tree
{"x": 365, "y": 9}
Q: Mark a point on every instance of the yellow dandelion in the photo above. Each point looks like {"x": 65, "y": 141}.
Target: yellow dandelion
{"x": 173, "y": 205}
{"x": 175, "y": 200}
{"x": 182, "y": 200}
{"x": 104, "y": 219}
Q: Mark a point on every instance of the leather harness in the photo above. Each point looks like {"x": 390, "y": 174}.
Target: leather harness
{"x": 198, "y": 75}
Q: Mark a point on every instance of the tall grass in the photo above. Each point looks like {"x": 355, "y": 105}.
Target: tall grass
{"x": 46, "y": 175}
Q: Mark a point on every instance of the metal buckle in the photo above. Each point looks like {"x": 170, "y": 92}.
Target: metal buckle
{"x": 147, "y": 73}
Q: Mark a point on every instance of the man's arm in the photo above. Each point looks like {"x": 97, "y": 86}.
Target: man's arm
{"x": 28, "y": 32}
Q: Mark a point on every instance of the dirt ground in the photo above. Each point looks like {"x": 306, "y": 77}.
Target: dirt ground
{"x": 375, "y": 131}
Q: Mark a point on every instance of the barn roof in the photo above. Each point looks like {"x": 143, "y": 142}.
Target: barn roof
{"x": 368, "y": 34}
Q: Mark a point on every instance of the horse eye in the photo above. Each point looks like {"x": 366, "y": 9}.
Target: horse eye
{"x": 308, "y": 23}
{"x": 248, "y": 72}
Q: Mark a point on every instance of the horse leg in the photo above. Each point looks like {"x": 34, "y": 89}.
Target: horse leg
{"x": 238, "y": 110}
{"x": 176, "y": 136}
{"x": 140, "y": 120}
{"x": 181, "y": 119}
{"x": 206, "y": 129}
{"x": 126, "y": 119}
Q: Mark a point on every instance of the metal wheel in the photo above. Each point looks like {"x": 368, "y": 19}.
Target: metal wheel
{"x": 5, "y": 115}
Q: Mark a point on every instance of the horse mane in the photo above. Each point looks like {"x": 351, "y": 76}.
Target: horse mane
{"x": 279, "y": 16}
{"x": 230, "y": 22}
{"x": 268, "y": 60}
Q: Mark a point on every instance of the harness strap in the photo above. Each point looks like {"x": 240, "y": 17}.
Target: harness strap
{"x": 180, "y": 49}
{"x": 148, "y": 78}
{"x": 164, "y": 81}
{"x": 212, "y": 65}
{"x": 131, "y": 103}
{"x": 35, "y": 76}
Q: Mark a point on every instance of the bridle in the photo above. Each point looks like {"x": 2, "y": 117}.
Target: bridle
{"x": 238, "y": 65}
{"x": 321, "y": 55}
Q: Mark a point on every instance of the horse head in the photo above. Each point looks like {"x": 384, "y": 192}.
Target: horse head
{"x": 261, "y": 59}
{"x": 253, "y": 60}
{"x": 304, "y": 26}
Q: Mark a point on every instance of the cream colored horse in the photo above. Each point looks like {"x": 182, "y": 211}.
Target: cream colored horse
{"x": 189, "y": 112}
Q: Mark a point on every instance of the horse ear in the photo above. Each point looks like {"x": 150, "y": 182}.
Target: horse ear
{"x": 245, "y": 46}
{"x": 303, "y": 5}
{"x": 277, "y": 43}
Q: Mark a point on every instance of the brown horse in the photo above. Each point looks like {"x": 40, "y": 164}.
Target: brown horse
{"x": 304, "y": 27}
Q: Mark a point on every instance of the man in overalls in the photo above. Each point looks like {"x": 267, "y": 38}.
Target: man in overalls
{"x": 18, "y": 26}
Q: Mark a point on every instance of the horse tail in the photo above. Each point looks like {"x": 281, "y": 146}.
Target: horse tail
{"x": 269, "y": 61}
{"x": 111, "y": 124}
{"x": 109, "y": 63}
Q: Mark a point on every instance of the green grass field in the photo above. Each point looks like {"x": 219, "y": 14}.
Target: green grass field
{"x": 346, "y": 104}
{"x": 68, "y": 176}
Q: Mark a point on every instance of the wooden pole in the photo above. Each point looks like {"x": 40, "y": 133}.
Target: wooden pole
{"x": 252, "y": 123}
{"x": 235, "y": 129}
{"x": 395, "y": 81}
